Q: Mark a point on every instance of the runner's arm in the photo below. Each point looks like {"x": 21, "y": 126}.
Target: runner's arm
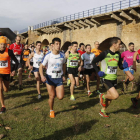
{"x": 98, "y": 59}
{"x": 28, "y": 60}
{"x": 120, "y": 62}
{"x": 11, "y": 54}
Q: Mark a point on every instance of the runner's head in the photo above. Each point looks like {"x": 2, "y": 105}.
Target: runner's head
{"x": 82, "y": 46}
{"x": 131, "y": 46}
{"x": 56, "y": 43}
{"x": 18, "y": 39}
{"x": 26, "y": 47}
{"x": 3, "y": 44}
{"x": 88, "y": 48}
{"x": 50, "y": 47}
{"x": 38, "y": 45}
{"x": 96, "y": 44}
{"x": 32, "y": 48}
{"x": 115, "y": 43}
{"x": 74, "y": 46}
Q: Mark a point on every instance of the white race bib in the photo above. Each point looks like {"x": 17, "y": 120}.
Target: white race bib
{"x": 3, "y": 64}
{"x": 130, "y": 68}
{"x": 88, "y": 66}
{"x": 74, "y": 63}
{"x": 38, "y": 63}
{"x": 111, "y": 70}
{"x": 26, "y": 56}
{"x": 56, "y": 74}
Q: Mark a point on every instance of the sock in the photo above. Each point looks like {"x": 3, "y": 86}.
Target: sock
{"x": 51, "y": 110}
{"x": 127, "y": 82}
{"x": 88, "y": 90}
{"x": 102, "y": 110}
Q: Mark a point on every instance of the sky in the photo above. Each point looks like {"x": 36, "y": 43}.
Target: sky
{"x": 19, "y": 14}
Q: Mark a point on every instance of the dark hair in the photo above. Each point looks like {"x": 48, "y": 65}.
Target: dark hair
{"x": 131, "y": 43}
{"x": 32, "y": 46}
{"x": 70, "y": 44}
{"x": 114, "y": 40}
{"x": 87, "y": 45}
{"x": 38, "y": 42}
{"x": 74, "y": 42}
{"x": 81, "y": 45}
{"x": 56, "y": 39}
{"x": 50, "y": 43}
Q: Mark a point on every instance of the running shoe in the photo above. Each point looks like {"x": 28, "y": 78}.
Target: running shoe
{"x": 89, "y": 94}
{"x": 102, "y": 100}
{"x": 134, "y": 102}
{"x": 3, "y": 109}
{"x": 72, "y": 98}
{"x": 20, "y": 87}
{"x": 39, "y": 96}
{"x": 29, "y": 76}
{"x": 103, "y": 114}
{"x": 52, "y": 114}
{"x": 98, "y": 92}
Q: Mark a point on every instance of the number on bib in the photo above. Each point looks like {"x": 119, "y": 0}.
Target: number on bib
{"x": 56, "y": 74}
{"x": 73, "y": 63}
{"x": 38, "y": 63}
{"x": 111, "y": 70}
{"x": 88, "y": 66}
{"x": 3, "y": 64}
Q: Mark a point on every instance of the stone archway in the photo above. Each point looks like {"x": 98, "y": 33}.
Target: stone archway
{"x": 45, "y": 42}
{"x": 105, "y": 45}
{"x": 65, "y": 46}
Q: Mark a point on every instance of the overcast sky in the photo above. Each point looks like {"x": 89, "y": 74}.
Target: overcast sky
{"x": 19, "y": 14}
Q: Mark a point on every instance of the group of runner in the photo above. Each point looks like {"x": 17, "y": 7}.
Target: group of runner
{"x": 76, "y": 63}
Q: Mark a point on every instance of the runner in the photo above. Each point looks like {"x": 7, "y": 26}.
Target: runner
{"x": 17, "y": 48}
{"x": 97, "y": 52}
{"x": 110, "y": 59}
{"x": 5, "y": 68}
{"x": 37, "y": 59}
{"x": 81, "y": 51}
{"x": 128, "y": 56}
{"x": 55, "y": 62}
{"x": 87, "y": 59}
{"x": 25, "y": 54}
{"x": 135, "y": 100}
{"x": 74, "y": 59}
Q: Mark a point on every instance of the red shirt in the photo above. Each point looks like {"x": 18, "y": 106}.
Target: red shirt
{"x": 139, "y": 51}
{"x": 16, "y": 48}
{"x": 81, "y": 52}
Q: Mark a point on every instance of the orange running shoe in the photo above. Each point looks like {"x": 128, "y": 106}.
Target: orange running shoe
{"x": 52, "y": 114}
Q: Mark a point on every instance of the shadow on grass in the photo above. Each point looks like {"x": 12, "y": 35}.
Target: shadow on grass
{"x": 70, "y": 132}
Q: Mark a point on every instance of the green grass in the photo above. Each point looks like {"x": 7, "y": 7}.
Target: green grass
{"x": 75, "y": 120}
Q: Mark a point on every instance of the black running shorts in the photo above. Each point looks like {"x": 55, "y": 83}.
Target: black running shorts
{"x": 110, "y": 83}
{"x": 73, "y": 71}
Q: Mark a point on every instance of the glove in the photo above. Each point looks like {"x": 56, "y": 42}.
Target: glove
{"x": 125, "y": 64}
{"x": 134, "y": 66}
{"x": 101, "y": 73}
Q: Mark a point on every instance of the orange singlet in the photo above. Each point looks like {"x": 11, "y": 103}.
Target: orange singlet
{"x": 96, "y": 52}
{"x": 5, "y": 67}
{"x": 26, "y": 54}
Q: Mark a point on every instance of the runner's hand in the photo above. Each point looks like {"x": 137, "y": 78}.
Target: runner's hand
{"x": 80, "y": 68}
{"x": 134, "y": 66}
{"x": 30, "y": 67}
{"x": 43, "y": 79}
{"x": 64, "y": 79}
{"x": 13, "y": 73}
{"x": 15, "y": 53}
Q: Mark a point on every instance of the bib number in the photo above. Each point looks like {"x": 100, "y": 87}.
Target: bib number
{"x": 73, "y": 63}
{"x": 3, "y": 64}
{"x": 56, "y": 74}
{"x": 130, "y": 68}
{"x": 26, "y": 56}
{"x": 88, "y": 66}
{"x": 38, "y": 63}
{"x": 111, "y": 70}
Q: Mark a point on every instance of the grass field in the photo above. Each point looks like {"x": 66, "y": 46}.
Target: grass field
{"x": 29, "y": 119}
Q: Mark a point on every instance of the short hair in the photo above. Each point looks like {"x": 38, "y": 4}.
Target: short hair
{"x": 114, "y": 40}
{"x": 87, "y": 45}
{"x": 131, "y": 43}
{"x": 56, "y": 39}
{"x": 70, "y": 44}
{"x": 32, "y": 46}
{"x": 74, "y": 42}
{"x": 81, "y": 45}
{"x": 18, "y": 36}
{"x": 95, "y": 42}
{"x": 38, "y": 42}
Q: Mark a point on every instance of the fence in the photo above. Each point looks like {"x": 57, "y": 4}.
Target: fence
{"x": 95, "y": 11}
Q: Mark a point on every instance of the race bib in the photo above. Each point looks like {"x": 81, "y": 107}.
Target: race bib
{"x": 88, "y": 66}
{"x": 18, "y": 58}
{"x": 56, "y": 74}
{"x": 26, "y": 56}
{"x": 73, "y": 63}
{"x": 3, "y": 64}
{"x": 38, "y": 63}
{"x": 111, "y": 70}
{"x": 130, "y": 68}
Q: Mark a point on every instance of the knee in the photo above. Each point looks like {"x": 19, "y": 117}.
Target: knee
{"x": 60, "y": 98}
{"x": 20, "y": 71}
{"x": 6, "y": 90}
{"x": 115, "y": 96}
{"x": 51, "y": 96}
{"x": 132, "y": 78}
{"x": 73, "y": 83}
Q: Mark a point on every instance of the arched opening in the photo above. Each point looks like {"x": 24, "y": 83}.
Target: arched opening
{"x": 45, "y": 42}
{"x": 65, "y": 46}
{"x": 105, "y": 45}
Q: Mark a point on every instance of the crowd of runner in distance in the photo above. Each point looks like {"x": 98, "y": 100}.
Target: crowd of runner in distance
{"x": 79, "y": 64}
